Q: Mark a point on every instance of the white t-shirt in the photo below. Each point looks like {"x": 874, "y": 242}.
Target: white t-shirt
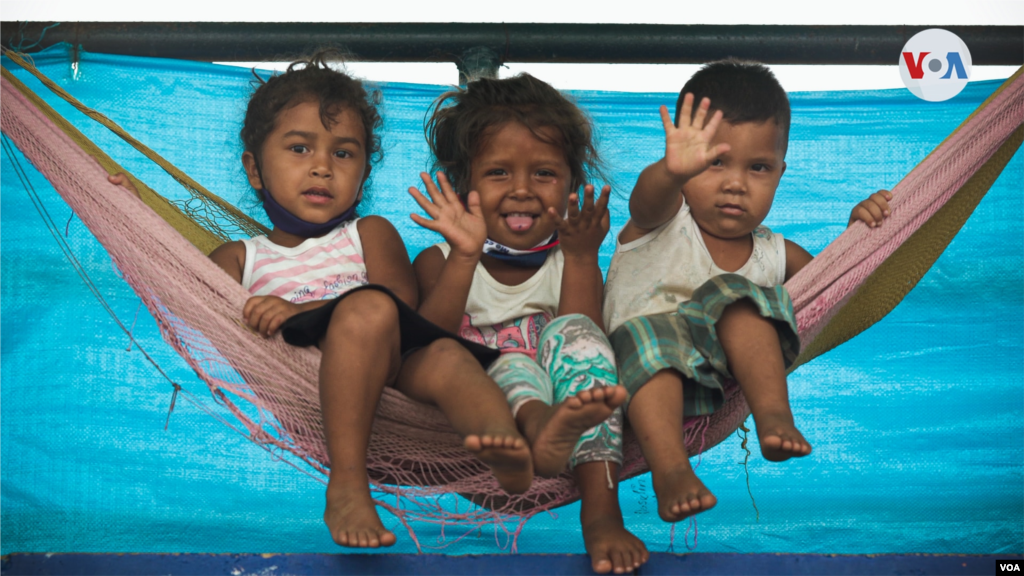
{"x": 317, "y": 269}
{"x": 656, "y": 272}
{"x": 511, "y": 318}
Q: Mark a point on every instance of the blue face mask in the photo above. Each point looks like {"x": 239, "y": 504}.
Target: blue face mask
{"x": 532, "y": 258}
{"x": 292, "y": 224}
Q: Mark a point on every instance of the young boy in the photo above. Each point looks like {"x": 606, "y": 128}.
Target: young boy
{"x": 694, "y": 294}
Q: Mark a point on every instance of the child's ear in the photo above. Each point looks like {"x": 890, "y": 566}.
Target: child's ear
{"x": 251, "y": 171}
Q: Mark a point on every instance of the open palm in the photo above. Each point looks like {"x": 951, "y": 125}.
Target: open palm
{"x": 462, "y": 227}
{"x": 688, "y": 148}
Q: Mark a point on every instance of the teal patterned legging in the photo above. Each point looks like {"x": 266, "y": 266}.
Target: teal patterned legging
{"x": 574, "y": 355}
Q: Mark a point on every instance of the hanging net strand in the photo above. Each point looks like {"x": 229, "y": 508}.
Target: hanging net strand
{"x": 204, "y": 208}
{"x": 414, "y": 456}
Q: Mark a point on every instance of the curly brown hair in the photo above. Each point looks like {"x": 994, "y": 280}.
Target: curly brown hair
{"x": 305, "y": 80}
{"x": 461, "y": 120}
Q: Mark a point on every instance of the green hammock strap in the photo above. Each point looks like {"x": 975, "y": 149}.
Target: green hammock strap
{"x": 903, "y": 269}
{"x": 205, "y": 199}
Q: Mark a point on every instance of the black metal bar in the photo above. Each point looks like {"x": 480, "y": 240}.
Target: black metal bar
{"x": 613, "y": 43}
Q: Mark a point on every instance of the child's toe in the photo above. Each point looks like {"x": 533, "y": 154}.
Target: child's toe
{"x": 629, "y": 559}
{"x": 708, "y": 501}
{"x": 615, "y": 396}
{"x": 601, "y": 565}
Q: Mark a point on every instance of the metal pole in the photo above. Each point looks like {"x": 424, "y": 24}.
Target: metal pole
{"x": 431, "y": 42}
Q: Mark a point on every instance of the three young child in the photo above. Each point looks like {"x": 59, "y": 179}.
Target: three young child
{"x": 503, "y": 325}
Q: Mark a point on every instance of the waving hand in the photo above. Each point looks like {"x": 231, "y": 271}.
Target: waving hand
{"x": 462, "y": 227}
{"x": 688, "y": 149}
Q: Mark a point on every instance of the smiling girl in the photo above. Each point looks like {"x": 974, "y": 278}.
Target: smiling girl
{"x": 519, "y": 272}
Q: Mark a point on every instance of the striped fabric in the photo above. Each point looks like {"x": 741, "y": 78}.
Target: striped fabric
{"x": 686, "y": 340}
{"x": 317, "y": 269}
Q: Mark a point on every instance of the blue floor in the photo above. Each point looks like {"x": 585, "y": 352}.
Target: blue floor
{"x": 660, "y": 563}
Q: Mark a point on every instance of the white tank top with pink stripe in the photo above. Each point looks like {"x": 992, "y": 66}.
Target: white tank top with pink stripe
{"x": 317, "y": 269}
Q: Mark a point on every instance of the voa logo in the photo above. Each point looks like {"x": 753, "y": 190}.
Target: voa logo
{"x": 935, "y": 65}
{"x": 1006, "y": 566}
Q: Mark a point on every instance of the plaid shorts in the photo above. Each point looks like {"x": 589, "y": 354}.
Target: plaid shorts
{"x": 685, "y": 340}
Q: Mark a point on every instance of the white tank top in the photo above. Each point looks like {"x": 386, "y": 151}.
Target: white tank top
{"x": 655, "y": 273}
{"x": 511, "y": 318}
{"x": 317, "y": 269}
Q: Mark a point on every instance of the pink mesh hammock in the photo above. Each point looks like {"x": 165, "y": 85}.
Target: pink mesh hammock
{"x": 414, "y": 455}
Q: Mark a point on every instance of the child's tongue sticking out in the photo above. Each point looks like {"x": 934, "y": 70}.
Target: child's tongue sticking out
{"x": 519, "y": 222}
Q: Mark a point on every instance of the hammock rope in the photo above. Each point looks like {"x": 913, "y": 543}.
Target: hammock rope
{"x": 210, "y": 212}
{"x": 414, "y": 455}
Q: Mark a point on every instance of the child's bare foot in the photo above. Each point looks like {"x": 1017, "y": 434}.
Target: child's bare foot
{"x": 779, "y": 438}
{"x": 508, "y": 457}
{"x": 352, "y": 518}
{"x": 613, "y": 548}
{"x": 556, "y": 432}
{"x": 680, "y": 493}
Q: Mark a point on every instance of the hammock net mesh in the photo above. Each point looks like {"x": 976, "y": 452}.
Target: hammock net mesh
{"x": 267, "y": 390}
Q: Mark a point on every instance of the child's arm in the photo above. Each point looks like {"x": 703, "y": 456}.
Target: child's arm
{"x": 387, "y": 264}
{"x": 796, "y": 259}
{"x": 657, "y": 195}
{"x": 387, "y": 261}
{"x": 871, "y": 212}
{"x": 580, "y": 236}
{"x": 445, "y": 283}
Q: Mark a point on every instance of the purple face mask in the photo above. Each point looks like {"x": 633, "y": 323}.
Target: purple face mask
{"x": 292, "y": 224}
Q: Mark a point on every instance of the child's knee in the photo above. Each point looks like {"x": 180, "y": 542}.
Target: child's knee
{"x": 743, "y": 306}
{"x": 445, "y": 350}
{"x": 580, "y": 337}
{"x": 571, "y": 323}
{"x": 445, "y": 357}
{"x": 367, "y": 311}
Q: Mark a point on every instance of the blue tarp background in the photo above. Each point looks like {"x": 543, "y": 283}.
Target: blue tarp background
{"x": 917, "y": 424}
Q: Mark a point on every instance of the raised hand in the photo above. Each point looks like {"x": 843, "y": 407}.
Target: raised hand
{"x": 265, "y": 314}
{"x": 873, "y": 210}
{"x": 462, "y": 227}
{"x": 688, "y": 149}
{"x": 580, "y": 234}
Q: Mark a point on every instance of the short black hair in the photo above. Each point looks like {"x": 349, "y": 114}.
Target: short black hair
{"x": 744, "y": 91}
